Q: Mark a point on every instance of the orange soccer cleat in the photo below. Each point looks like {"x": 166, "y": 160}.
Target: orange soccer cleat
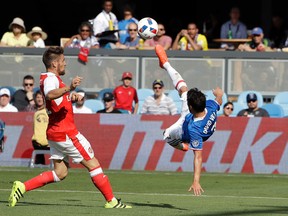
{"x": 162, "y": 56}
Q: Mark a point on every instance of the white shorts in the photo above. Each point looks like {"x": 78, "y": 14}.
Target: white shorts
{"x": 173, "y": 134}
{"x": 78, "y": 150}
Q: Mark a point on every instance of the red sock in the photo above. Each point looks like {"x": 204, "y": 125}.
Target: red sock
{"x": 39, "y": 181}
{"x": 102, "y": 182}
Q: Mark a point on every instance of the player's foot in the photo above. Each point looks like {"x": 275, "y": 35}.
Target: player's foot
{"x": 116, "y": 203}
{"x": 17, "y": 192}
{"x": 162, "y": 56}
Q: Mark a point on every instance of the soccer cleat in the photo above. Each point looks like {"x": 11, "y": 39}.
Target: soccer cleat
{"x": 17, "y": 192}
{"x": 116, "y": 203}
{"x": 162, "y": 56}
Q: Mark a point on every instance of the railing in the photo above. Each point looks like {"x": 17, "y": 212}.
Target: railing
{"x": 234, "y": 71}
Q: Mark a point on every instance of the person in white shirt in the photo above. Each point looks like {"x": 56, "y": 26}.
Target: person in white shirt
{"x": 37, "y": 37}
{"x": 5, "y": 98}
{"x": 106, "y": 21}
{"x": 159, "y": 103}
{"x": 79, "y": 106}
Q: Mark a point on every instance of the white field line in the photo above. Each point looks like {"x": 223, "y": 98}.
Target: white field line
{"x": 156, "y": 194}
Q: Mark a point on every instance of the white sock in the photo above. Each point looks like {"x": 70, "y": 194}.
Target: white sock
{"x": 176, "y": 78}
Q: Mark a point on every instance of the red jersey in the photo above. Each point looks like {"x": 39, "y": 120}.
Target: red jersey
{"x": 124, "y": 97}
{"x": 60, "y": 110}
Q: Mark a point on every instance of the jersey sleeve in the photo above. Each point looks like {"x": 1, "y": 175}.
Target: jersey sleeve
{"x": 50, "y": 83}
{"x": 213, "y": 105}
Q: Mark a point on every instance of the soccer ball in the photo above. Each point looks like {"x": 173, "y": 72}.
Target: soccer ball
{"x": 147, "y": 28}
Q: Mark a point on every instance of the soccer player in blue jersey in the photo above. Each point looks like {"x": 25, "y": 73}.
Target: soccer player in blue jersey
{"x": 197, "y": 121}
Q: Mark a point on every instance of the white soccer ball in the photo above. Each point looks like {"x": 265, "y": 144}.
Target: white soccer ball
{"x": 147, "y": 28}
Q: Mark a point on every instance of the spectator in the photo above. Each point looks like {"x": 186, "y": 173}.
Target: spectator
{"x": 5, "y": 98}
{"x": 79, "y": 106}
{"x": 190, "y": 39}
{"x": 227, "y": 109}
{"x": 160, "y": 38}
{"x": 253, "y": 110}
{"x": 123, "y": 24}
{"x": 40, "y": 123}
{"x": 109, "y": 102}
{"x": 233, "y": 28}
{"x": 132, "y": 41}
{"x": 278, "y": 34}
{"x": 125, "y": 95}
{"x": 37, "y": 37}
{"x": 24, "y": 97}
{"x": 211, "y": 29}
{"x": 104, "y": 25}
{"x": 85, "y": 33}
{"x": 159, "y": 103}
{"x": 258, "y": 43}
{"x": 16, "y": 37}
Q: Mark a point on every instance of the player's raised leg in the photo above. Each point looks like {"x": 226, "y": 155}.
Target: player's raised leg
{"x": 172, "y": 135}
{"x": 178, "y": 81}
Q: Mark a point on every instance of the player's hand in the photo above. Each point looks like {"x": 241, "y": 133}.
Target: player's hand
{"x": 74, "y": 97}
{"x": 196, "y": 188}
{"x": 76, "y": 81}
{"x": 218, "y": 92}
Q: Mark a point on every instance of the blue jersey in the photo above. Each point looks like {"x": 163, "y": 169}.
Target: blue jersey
{"x": 198, "y": 130}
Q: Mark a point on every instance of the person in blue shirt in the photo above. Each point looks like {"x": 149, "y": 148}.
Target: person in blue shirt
{"x": 197, "y": 121}
{"x": 124, "y": 23}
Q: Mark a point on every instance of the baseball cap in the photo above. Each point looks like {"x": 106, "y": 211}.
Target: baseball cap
{"x": 257, "y": 31}
{"x": 4, "y": 91}
{"x": 108, "y": 96}
{"x": 127, "y": 75}
{"x": 159, "y": 82}
{"x": 251, "y": 97}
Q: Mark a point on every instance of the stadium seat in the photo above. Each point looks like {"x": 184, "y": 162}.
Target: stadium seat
{"x": 94, "y": 104}
{"x": 143, "y": 93}
{"x": 281, "y": 98}
{"x": 174, "y": 95}
{"x": 242, "y": 98}
{"x": 176, "y": 98}
{"x": 11, "y": 89}
{"x": 274, "y": 110}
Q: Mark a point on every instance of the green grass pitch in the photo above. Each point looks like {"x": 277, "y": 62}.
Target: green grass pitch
{"x": 150, "y": 193}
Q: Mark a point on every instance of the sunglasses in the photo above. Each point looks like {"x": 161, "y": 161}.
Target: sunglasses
{"x": 85, "y": 30}
{"x": 132, "y": 29}
{"x": 229, "y": 108}
{"x": 28, "y": 84}
{"x": 157, "y": 87}
{"x": 251, "y": 101}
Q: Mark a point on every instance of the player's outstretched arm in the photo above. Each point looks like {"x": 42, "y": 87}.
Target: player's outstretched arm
{"x": 56, "y": 93}
{"x": 196, "y": 187}
{"x": 218, "y": 92}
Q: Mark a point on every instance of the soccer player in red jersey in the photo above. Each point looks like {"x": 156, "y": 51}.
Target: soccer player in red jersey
{"x": 64, "y": 139}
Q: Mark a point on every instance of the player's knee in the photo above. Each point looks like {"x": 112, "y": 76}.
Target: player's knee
{"x": 61, "y": 174}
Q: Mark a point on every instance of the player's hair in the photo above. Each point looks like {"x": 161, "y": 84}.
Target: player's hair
{"x": 51, "y": 54}
{"x": 196, "y": 99}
